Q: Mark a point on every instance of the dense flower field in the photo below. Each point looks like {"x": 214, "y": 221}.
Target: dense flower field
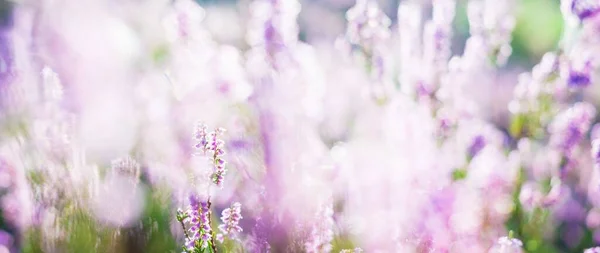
{"x": 130, "y": 126}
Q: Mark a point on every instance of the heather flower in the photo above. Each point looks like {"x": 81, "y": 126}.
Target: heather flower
{"x": 477, "y": 145}
{"x": 55, "y": 125}
{"x": 438, "y": 34}
{"x": 492, "y": 22}
{"x": 212, "y": 146}
{"x": 273, "y": 28}
{"x": 580, "y": 77}
{"x": 585, "y": 9}
{"x": 409, "y": 29}
{"x": 200, "y": 135}
{"x": 546, "y": 68}
{"x": 126, "y": 167}
{"x": 570, "y": 126}
{"x": 507, "y": 245}
{"x": 557, "y": 191}
{"x": 367, "y": 25}
{"x": 532, "y": 86}
{"x": 257, "y": 241}
{"x": 368, "y": 29}
{"x": 321, "y": 234}
{"x": 200, "y": 234}
{"x": 198, "y": 216}
{"x": 230, "y": 217}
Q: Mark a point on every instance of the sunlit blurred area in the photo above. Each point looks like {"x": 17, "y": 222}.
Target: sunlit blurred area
{"x": 412, "y": 126}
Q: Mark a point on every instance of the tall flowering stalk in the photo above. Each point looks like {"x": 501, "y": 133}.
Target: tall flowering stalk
{"x": 368, "y": 30}
{"x": 569, "y": 127}
{"x": 277, "y": 65}
{"x": 492, "y": 22}
{"x": 210, "y": 145}
{"x": 321, "y": 234}
{"x": 273, "y": 30}
{"x": 230, "y": 217}
{"x": 199, "y": 235}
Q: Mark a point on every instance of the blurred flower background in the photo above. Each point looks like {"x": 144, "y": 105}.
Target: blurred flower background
{"x": 299, "y": 126}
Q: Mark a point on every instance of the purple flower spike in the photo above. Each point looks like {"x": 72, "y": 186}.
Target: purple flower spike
{"x": 367, "y": 25}
{"x": 580, "y": 78}
{"x": 189, "y": 244}
{"x": 477, "y": 145}
{"x": 570, "y": 126}
{"x": 210, "y": 145}
{"x": 231, "y": 218}
{"x": 585, "y": 9}
{"x": 199, "y": 229}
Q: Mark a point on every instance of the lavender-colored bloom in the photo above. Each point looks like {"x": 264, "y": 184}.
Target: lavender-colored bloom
{"x": 535, "y": 84}
{"x": 530, "y": 196}
{"x": 200, "y": 135}
{"x": 211, "y": 145}
{"x": 585, "y": 9}
{"x": 477, "y": 145}
{"x": 438, "y": 34}
{"x": 367, "y": 25}
{"x": 570, "y": 126}
{"x": 198, "y": 216}
{"x": 217, "y": 149}
{"x": 321, "y": 234}
{"x": 555, "y": 194}
{"x": 272, "y": 27}
{"x": 507, "y": 245}
{"x": 231, "y": 218}
{"x": 368, "y": 29}
{"x": 126, "y": 167}
{"x": 492, "y": 21}
{"x": 580, "y": 78}
{"x": 409, "y": 26}
{"x": 548, "y": 66}
{"x": 257, "y": 241}
{"x": 190, "y": 244}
